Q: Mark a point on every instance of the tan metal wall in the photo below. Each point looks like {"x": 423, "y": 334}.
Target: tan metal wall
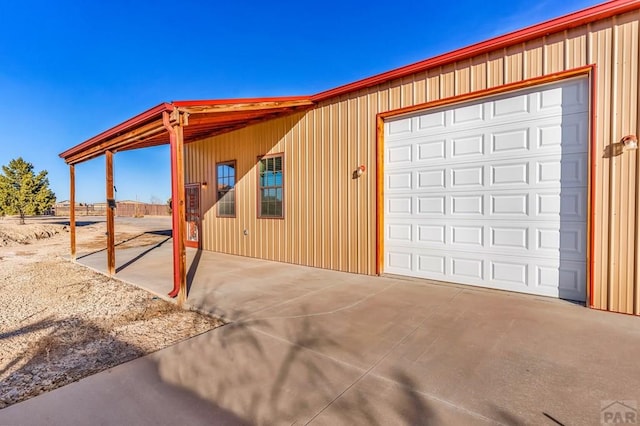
{"x": 330, "y": 218}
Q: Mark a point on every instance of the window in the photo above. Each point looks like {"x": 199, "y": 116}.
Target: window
{"x": 271, "y": 186}
{"x": 225, "y": 187}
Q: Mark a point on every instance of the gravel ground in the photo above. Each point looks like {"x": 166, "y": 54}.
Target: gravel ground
{"x": 60, "y": 322}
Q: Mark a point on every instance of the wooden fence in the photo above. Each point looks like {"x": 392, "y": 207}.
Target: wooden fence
{"x": 122, "y": 209}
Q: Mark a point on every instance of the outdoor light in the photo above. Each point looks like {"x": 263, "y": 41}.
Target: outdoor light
{"x": 630, "y": 142}
{"x": 360, "y": 170}
{"x": 204, "y": 185}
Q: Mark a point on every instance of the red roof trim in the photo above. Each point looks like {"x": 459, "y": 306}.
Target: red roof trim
{"x": 240, "y": 101}
{"x": 575, "y": 19}
{"x": 122, "y": 127}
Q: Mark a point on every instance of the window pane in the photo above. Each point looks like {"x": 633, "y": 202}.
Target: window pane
{"x": 270, "y": 180}
{"x": 225, "y": 182}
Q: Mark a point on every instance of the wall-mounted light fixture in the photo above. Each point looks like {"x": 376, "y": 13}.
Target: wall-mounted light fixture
{"x": 204, "y": 185}
{"x": 630, "y": 142}
{"x": 359, "y": 171}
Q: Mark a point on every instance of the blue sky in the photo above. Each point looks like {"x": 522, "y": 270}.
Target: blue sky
{"x": 71, "y": 69}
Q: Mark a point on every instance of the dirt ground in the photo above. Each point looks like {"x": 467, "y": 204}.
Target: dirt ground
{"x": 60, "y": 322}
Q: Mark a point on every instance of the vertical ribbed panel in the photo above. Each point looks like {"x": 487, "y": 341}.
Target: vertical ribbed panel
{"x": 330, "y": 218}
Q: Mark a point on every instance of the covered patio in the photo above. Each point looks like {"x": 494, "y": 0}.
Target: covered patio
{"x": 176, "y": 123}
{"x": 227, "y": 286}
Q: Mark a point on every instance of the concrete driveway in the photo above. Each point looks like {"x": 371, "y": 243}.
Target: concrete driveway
{"x": 311, "y": 346}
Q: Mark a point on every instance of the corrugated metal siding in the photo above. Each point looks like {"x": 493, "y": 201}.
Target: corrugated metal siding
{"x": 330, "y": 218}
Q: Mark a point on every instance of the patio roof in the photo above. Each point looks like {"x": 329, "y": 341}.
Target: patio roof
{"x": 200, "y": 119}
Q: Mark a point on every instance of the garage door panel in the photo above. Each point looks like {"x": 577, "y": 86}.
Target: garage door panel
{"x": 553, "y": 135}
{"x": 400, "y": 180}
{"x": 431, "y": 205}
{"x": 509, "y": 204}
{"x": 399, "y": 205}
{"x": 512, "y": 107}
{"x": 510, "y": 141}
{"x": 570, "y": 170}
{"x": 502, "y": 132}
{"x": 467, "y": 177}
{"x": 467, "y": 268}
{"x": 567, "y": 240}
{"x": 467, "y": 146}
{"x": 568, "y": 204}
{"x": 510, "y": 173}
{"x": 469, "y": 205}
{"x": 565, "y": 279}
{"x": 553, "y": 206}
{"x": 492, "y": 193}
{"x": 431, "y": 122}
{"x": 467, "y": 114}
{"x": 431, "y": 179}
{"x": 399, "y": 154}
{"x": 510, "y": 273}
{"x": 565, "y": 98}
{"x": 431, "y": 150}
{"x": 399, "y": 127}
{"x": 543, "y": 172}
{"x": 567, "y": 136}
{"x": 431, "y": 234}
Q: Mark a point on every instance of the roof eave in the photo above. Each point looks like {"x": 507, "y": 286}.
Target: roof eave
{"x": 148, "y": 115}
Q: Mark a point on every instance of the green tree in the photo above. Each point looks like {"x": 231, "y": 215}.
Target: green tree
{"x": 22, "y": 191}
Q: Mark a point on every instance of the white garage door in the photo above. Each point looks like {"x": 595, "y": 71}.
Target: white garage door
{"x": 492, "y": 192}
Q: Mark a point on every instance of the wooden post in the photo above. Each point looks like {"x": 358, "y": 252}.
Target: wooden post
{"x": 111, "y": 247}
{"x": 72, "y": 209}
{"x": 176, "y": 139}
{"x": 182, "y": 296}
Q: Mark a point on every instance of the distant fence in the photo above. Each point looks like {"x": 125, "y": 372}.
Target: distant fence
{"x": 122, "y": 209}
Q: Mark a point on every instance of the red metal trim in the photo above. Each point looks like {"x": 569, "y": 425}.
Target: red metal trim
{"x": 175, "y": 216}
{"x": 143, "y": 117}
{"x": 592, "y": 192}
{"x": 379, "y": 194}
{"x": 239, "y": 101}
{"x": 575, "y": 19}
{"x": 518, "y": 85}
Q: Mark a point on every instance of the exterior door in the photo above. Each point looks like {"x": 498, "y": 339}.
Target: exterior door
{"x": 492, "y": 192}
{"x": 193, "y": 215}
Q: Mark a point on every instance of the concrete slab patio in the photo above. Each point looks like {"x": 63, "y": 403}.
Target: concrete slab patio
{"x": 310, "y": 346}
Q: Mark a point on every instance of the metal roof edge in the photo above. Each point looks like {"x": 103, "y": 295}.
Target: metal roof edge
{"x": 571, "y": 20}
{"x": 240, "y": 100}
{"x": 122, "y": 127}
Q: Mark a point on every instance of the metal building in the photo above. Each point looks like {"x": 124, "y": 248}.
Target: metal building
{"x": 507, "y": 164}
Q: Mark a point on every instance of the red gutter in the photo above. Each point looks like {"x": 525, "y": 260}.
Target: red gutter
{"x": 575, "y": 19}
{"x": 120, "y": 128}
{"x": 239, "y": 101}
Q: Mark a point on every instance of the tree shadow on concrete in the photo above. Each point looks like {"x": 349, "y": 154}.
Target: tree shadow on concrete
{"x": 241, "y": 367}
{"x": 112, "y": 401}
{"x": 283, "y": 373}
